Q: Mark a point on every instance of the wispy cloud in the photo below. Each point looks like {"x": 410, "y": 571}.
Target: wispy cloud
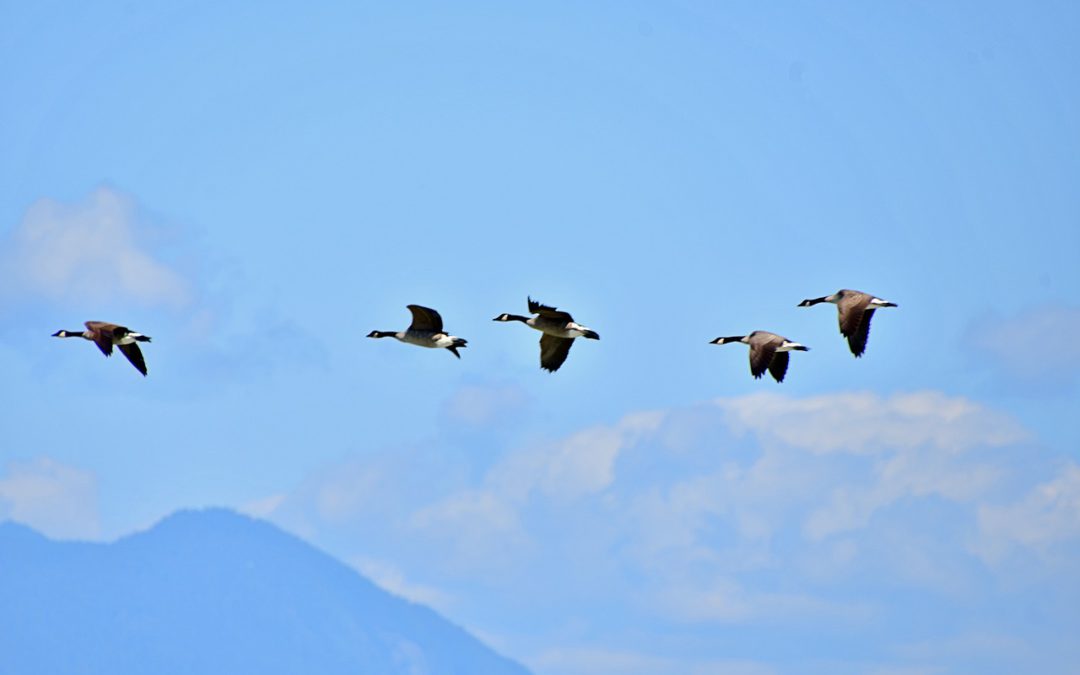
{"x": 478, "y": 405}
{"x": 608, "y": 661}
{"x": 1043, "y": 519}
{"x": 54, "y": 498}
{"x": 1024, "y": 347}
{"x": 866, "y": 423}
{"x": 753, "y": 511}
{"x": 93, "y": 251}
{"x": 390, "y": 578}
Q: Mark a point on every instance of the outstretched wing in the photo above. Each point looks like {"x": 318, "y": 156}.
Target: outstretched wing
{"x": 550, "y": 312}
{"x": 103, "y": 335}
{"x": 851, "y": 309}
{"x": 134, "y": 354}
{"x": 761, "y": 356}
{"x": 857, "y": 340}
{"x": 424, "y": 318}
{"x": 553, "y": 351}
{"x": 778, "y": 366}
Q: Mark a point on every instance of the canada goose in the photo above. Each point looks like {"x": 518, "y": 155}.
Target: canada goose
{"x": 105, "y": 335}
{"x": 768, "y": 351}
{"x": 856, "y": 310}
{"x": 559, "y": 331}
{"x": 426, "y": 330}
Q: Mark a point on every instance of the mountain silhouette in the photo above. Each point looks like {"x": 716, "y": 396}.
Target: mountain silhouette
{"x": 212, "y": 591}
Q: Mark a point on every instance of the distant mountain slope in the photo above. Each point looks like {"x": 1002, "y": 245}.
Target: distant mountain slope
{"x": 207, "y": 592}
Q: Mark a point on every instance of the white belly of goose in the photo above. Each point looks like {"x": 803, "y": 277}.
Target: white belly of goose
{"x": 572, "y": 330}
{"x": 426, "y": 339}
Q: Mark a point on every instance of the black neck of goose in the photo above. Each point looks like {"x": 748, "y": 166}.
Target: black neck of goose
{"x": 812, "y": 301}
{"x": 70, "y": 334}
{"x": 727, "y": 340}
{"x": 516, "y": 317}
{"x": 381, "y": 333}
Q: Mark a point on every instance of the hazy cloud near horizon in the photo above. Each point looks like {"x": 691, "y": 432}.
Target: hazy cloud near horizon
{"x": 56, "y": 499}
{"x": 705, "y": 506}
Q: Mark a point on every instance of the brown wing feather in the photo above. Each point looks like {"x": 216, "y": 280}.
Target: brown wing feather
{"x": 424, "y": 318}
{"x": 851, "y": 310}
{"x": 102, "y": 335}
{"x": 857, "y": 340}
{"x": 553, "y": 351}
{"x": 778, "y": 366}
{"x": 761, "y": 355}
{"x": 134, "y": 354}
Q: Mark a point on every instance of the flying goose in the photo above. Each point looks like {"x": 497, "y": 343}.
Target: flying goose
{"x": 856, "y": 310}
{"x": 559, "y": 331}
{"x": 426, "y": 330}
{"x": 105, "y": 335}
{"x": 768, "y": 351}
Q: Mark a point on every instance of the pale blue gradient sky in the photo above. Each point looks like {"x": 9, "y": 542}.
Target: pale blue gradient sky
{"x": 289, "y": 178}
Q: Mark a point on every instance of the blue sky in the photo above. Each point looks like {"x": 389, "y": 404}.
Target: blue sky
{"x": 264, "y": 186}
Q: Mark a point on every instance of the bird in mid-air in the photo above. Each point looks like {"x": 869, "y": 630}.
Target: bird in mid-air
{"x": 426, "y": 330}
{"x": 559, "y": 331}
{"x": 106, "y": 335}
{"x": 856, "y": 309}
{"x": 768, "y": 351}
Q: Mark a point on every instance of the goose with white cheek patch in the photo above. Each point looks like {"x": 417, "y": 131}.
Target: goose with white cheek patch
{"x": 559, "y": 331}
{"x": 426, "y": 330}
{"x": 768, "y": 351}
{"x": 856, "y": 309}
{"x": 107, "y": 335}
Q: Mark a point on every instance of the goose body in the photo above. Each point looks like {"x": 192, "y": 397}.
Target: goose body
{"x": 108, "y": 335}
{"x": 768, "y": 351}
{"x": 426, "y": 330}
{"x": 559, "y": 332}
{"x": 855, "y": 310}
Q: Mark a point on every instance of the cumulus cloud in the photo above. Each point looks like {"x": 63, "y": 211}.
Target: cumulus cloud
{"x": 58, "y": 500}
{"x": 89, "y": 252}
{"x": 754, "y": 511}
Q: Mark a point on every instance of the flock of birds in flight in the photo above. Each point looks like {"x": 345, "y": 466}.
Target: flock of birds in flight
{"x": 768, "y": 351}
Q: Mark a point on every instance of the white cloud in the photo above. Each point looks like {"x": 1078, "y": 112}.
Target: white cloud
{"x": 391, "y": 579}
{"x": 264, "y": 507}
{"x": 1047, "y": 516}
{"x": 865, "y": 423}
{"x": 474, "y": 530}
{"x": 914, "y": 473}
{"x": 581, "y": 464}
{"x": 89, "y": 252}
{"x": 727, "y": 601}
{"x": 750, "y": 512}
{"x": 58, "y": 500}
